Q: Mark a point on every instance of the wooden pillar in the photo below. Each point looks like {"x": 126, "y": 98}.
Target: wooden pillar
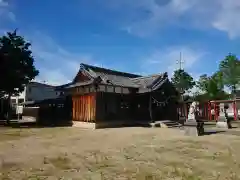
{"x": 95, "y": 108}
{"x": 215, "y": 111}
{"x": 205, "y": 110}
{"x": 73, "y": 109}
{"x": 83, "y": 104}
{"x": 150, "y": 106}
{"x": 235, "y": 110}
{"x": 186, "y": 110}
{"x": 209, "y": 111}
{"x": 181, "y": 109}
{"x": 77, "y": 108}
{"x": 89, "y": 108}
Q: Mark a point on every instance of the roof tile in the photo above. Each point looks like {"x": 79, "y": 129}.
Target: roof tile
{"x": 123, "y": 79}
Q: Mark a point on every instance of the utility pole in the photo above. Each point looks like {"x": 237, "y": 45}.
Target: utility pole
{"x": 180, "y": 61}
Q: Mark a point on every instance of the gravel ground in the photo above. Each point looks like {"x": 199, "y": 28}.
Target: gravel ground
{"x": 119, "y": 153}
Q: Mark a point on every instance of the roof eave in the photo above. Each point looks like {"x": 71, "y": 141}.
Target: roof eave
{"x": 85, "y": 72}
{"x": 112, "y": 84}
{"x": 79, "y": 84}
{"x": 158, "y": 81}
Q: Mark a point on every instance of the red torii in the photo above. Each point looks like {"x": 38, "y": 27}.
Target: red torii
{"x": 207, "y": 107}
{"x": 216, "y": 102}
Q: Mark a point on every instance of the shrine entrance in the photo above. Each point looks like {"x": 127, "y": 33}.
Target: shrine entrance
{"x": 209, "y": 111}
{"x": 232, "y": 110}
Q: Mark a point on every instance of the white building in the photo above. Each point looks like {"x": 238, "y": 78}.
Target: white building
{"x": 35, "y": 91}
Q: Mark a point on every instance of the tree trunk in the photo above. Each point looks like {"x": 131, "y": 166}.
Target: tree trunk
{"x": 9, "y": 109}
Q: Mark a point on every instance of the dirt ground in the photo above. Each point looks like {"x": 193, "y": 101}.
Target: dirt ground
{"x": 119, "y": 153}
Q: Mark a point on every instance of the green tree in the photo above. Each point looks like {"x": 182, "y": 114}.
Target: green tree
{"x": 218, "y": 78}
{"x": 202, "y": 83}
{"x": 182, "y": 81}
{"x": 211, "y": 88}
{"x": 16, "y": 64}
{"x": 230, "y": 69}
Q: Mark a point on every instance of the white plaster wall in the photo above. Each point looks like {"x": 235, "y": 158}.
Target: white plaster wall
{"x": 36, "y": 92}
{"x": 20, "y": 96}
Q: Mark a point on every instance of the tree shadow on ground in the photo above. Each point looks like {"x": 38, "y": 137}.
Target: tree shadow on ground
{"x": 213, "y": 132}
{"x": 234, "y": 127}
{"x": 32, "y": 125}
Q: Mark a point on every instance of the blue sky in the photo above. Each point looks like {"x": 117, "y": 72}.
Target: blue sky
{"x": 138, "y": 36}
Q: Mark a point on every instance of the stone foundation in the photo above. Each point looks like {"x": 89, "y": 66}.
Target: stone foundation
{"x": 86, "y": 125}
{"x": 28, "y": 119}
{"x": 100, "y": 125}
{"x": 191, "y": 131}
{"x": 193, "y": 128}
{"x": 222, "y": 124}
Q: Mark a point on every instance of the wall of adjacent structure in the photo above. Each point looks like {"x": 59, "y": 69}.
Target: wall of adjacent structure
{"x": 35, "y": 92}
{"x": 113, "y": 107}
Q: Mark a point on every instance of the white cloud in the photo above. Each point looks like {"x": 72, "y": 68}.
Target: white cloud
{"x": 11, "y": 16}
{"x": 3, "y": 3}
{"x": 228, "y": 18}
{"x": 56, "y": 64}
{"x": 166, "y": 60}
{"x": 53, "y": 77}
{"x": 222, "y": 15}
{"x": 5, "y": 12}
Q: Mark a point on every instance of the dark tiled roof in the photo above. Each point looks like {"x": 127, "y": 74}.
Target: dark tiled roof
{"x": 116, "y": 80}
{"x": 107, "y": 76}
{"x": 146, "y": 81}
{"x": 150, "y": 82}
{"x": 109, "y": 71}
{"x": 80, "y": 84}
{"x": 111, "y": 76}
{"x": 61, "y": 87}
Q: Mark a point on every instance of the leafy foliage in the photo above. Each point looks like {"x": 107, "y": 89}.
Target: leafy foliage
{"x": 230, "y": 69}
{"x": 16, "y": 64}
{"x": 211, "y": 87}
{"x": 218, "y": 78}
{"x": 202, "y": 83}
{"x": 182, "y": 81}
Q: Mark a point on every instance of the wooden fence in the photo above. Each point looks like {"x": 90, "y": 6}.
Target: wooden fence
{"x": 50, "y": 112}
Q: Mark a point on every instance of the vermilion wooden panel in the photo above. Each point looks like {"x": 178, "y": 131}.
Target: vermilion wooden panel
{"x": 74, "y": 109}
{"x": 78, "y": 106}
{"x": 84, "y": 107}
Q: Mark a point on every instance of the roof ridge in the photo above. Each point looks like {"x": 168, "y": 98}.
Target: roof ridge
{"x": 109, "y": 70}
{"x": 151, "y": 75}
